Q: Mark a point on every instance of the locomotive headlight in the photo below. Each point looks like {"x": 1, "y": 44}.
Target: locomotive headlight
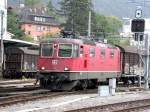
{"x": 43, "y": 68}
{"x": 55, "y": 46}
{"x": 66, "y": 69}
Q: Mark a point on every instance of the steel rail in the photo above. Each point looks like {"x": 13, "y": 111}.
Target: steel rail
{"x": 117, "y": 107}
{"x": 28, "y": 97}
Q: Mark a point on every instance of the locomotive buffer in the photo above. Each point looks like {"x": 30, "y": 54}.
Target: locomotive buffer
{"x": 141, "y": 35}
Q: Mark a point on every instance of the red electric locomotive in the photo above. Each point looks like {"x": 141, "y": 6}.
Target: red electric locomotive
{"x": 66, "y": 63}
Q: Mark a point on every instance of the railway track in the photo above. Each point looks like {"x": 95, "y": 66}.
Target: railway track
{"x": 14, "y": 91}
{"x": 130, "y": 106}
{"x": 31, "y": 93}
{"x": 6, "y": 82}
{"x": 36, "y": 95}
{"x": 13, "y": 87}
{"x": 21, "y": 98}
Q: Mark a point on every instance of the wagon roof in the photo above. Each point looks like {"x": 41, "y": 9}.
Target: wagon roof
{"x": 18, "y": 43}
{"x": 130, "y": 49}
{"x": 24, "y": 50}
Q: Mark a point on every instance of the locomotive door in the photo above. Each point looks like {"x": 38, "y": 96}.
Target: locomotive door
{"x": 85, "y": 58}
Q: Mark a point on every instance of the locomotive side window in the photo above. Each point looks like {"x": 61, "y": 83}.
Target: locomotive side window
{"x": 46, "y": 49}
{"x": 102, "y": 53}
{"x": 75, "y": 51}
{"x": 92, "y": 52}
{"x": 112, "y": 52}
{"x": 65, "y": 50}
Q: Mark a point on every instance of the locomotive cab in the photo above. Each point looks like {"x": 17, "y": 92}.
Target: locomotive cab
{"x": 57, "y": 53}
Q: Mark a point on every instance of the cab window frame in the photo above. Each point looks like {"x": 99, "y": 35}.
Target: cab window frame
{"x": 75, "y": 51}
{"x": 41, "y": 51}
{"x": 65, "y": 44}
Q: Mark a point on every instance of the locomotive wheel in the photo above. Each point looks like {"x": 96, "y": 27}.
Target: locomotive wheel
{"x": 73, "y": 89}
{"x": 84, "y": 84}
{"x": 42, "y": 82}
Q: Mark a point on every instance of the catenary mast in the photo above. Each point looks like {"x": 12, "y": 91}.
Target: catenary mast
{"x": 3, "y": 30}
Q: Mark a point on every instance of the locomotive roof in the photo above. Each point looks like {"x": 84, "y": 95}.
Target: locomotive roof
{"x": 69, "y": 40}
{"x": 78, "y": 41}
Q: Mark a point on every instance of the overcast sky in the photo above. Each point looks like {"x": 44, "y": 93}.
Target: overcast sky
{"x": 119, "y": 8}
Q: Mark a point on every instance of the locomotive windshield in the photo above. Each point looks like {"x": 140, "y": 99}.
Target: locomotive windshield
{"x": 46, "y": 50}
{"x": 65, "y": 50}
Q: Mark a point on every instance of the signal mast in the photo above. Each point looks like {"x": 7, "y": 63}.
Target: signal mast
{"x": 140, "y": 28}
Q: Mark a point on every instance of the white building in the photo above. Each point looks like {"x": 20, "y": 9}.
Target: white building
{"x": 126, "y": 30}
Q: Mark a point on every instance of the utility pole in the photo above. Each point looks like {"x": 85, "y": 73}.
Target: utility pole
{"x": 146, "y": 67}
{"x": 2, "y": 44}
{"x": 89, "y": 25}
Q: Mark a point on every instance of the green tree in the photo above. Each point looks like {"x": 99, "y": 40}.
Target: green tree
{"x": 26, "y": 38}
{"x": 76, "y": 12}
{"x": 119, "y": 41}
{"x": 52, "y": 10}
{"x": 106, "y": 26}
{"x": 32, "y": 2}
{"x": 13, "y": 25}
{"x": 114, "y": 24}
{"x": 100, "y": 24}
{"x": 50, "y": 7}
{"x": 125, "y": 41}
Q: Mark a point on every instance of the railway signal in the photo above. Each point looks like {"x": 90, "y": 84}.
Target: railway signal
{"x": 139, "y": 37}
{"x": 138, "y": 28}
{"x": 138, "y": 25}
{"x": 138, "y": 13}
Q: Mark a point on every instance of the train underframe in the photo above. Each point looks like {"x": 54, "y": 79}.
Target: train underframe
{"x": 13, "y": 74}
{"x": 77, "y": 81}
{"x": 71, "y": 81}
{"x": 131, "y": 79}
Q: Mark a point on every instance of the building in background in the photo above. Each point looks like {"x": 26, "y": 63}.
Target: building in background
{"x": 37, "y": 23}
{"x": 126, "y": 30}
